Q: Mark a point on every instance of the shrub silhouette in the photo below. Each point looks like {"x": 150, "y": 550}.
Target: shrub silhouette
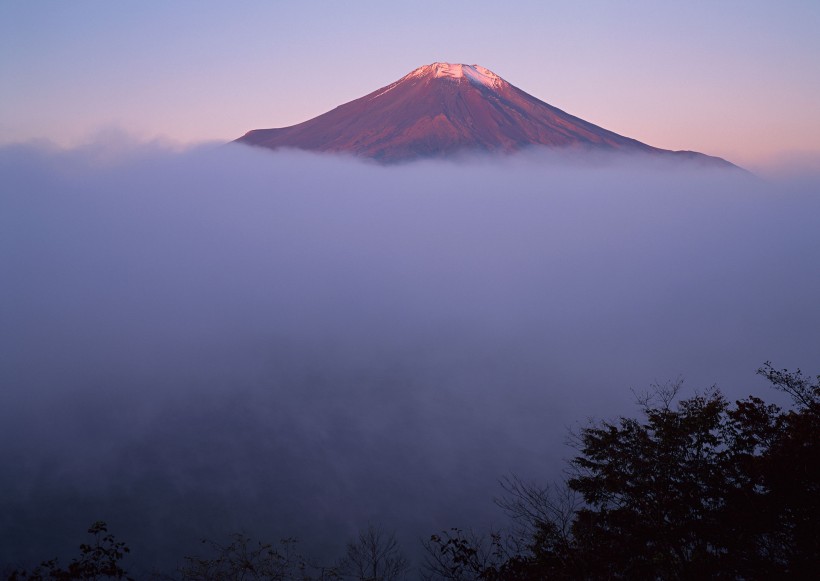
{"x": 99, "y": 559}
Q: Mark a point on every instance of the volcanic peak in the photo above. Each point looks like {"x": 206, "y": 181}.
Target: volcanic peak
{"x": 473, "y": 73}
{"x": 446, "y": 109}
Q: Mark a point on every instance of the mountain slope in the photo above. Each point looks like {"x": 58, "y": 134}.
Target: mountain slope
{"x": 443, "y": 109}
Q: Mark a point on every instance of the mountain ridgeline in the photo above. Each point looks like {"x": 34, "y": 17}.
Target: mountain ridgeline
{"x": 441, "y": 110}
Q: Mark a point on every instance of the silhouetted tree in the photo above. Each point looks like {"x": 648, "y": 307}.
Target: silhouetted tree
{"x": 703, "y": 489}
{"x": 787, "y": 474}
{"x": 653, "y": 489}
{"x": 374, "y": 556}
{"x": 543, "y": 539}
{"x": 693, "y": 488}
{"x": 456, "y": 555}
{"x": 99, "y": 559}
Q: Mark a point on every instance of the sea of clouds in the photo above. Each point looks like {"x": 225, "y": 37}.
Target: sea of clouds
{"x": 223, "y": 339}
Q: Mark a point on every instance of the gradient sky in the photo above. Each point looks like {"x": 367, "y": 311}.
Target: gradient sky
{"x": 738, "y": 79}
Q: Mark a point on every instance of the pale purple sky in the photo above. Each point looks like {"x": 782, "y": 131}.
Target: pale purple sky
{"x": 738, "y": 79}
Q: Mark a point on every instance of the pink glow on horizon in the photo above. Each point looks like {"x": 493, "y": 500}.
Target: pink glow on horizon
{"x": 745, "y": 86}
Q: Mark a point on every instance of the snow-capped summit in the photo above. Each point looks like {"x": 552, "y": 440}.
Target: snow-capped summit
{"x": 442, "y": 109}
{"x": 472, "y": 73}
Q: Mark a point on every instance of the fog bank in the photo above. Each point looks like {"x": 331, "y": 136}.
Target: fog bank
{"x": 227, "y": 339}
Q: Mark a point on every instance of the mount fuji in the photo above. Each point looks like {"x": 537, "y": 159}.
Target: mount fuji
{"x": 442, "y": 110}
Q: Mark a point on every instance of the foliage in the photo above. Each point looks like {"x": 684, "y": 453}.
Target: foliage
{"x": 695, "y": 489}
{"x": 654, "y": 489}
{"x": 456, "y": 555}
{"x": 98, "y": 560}
{"x": 702, "y": 489}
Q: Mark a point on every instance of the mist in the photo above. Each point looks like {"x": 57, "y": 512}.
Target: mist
{"x": 195, "y": 343}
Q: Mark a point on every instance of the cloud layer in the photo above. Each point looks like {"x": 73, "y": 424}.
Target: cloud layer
{"x": 228, "y": 339}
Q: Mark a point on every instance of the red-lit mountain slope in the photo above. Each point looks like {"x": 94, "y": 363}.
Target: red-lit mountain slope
{"x": 442, "y": 109}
